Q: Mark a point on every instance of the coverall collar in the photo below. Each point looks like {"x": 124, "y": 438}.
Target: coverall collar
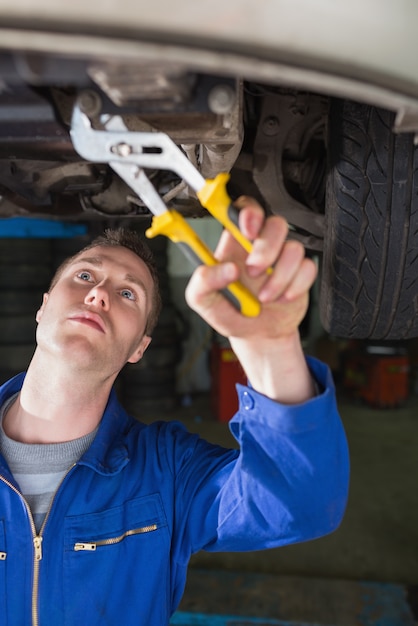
{"x": 108, "y": 453}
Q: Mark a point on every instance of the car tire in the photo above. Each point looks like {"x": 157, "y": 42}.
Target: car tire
{"x": 369, "y": 273}
{"x": 17, "y": 329}
{"x": 148, "y": 387}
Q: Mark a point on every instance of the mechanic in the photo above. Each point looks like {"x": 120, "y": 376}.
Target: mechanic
{"x": 112, "y": 509}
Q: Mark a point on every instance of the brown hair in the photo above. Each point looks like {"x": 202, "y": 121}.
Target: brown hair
{"x": 132, "y": 241}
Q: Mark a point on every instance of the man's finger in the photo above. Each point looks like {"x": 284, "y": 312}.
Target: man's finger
{"x": 303, "y": 280}
{"x": 268, "y": 246}
{"x": 284, "y": 271}
{"x": 206, "y": 283}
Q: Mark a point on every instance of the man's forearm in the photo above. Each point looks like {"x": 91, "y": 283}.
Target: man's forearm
{"x": 277, "y": 369}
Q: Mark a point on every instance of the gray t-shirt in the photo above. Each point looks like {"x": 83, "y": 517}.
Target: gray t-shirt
{"x": 39, "y": 469}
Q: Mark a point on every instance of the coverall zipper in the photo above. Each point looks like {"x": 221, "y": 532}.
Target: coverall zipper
{"x": 93, "y": 545}
{"x": 37, "y": 543}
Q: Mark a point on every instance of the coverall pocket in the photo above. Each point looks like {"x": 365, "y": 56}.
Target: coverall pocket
{"x": 113, "y": 557}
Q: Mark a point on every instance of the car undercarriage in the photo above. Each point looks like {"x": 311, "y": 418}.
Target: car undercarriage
{"x": 332, "y": 152}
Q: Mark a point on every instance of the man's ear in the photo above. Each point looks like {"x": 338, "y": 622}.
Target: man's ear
{"x": 139, "y": 351}
{"x": 41, "y": 310}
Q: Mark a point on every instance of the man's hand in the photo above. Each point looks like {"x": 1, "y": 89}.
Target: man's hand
{"x": 267, "y": 346}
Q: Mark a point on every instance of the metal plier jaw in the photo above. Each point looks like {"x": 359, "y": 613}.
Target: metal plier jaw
{"x": 128, "y": 153}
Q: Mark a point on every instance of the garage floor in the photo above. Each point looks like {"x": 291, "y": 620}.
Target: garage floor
{"x": 366, "y": 573}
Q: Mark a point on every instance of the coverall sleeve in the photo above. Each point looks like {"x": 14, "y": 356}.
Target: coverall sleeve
{"x": 288, "y": 482}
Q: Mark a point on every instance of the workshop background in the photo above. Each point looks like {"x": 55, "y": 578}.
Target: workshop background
{"x": 366, "y": 573}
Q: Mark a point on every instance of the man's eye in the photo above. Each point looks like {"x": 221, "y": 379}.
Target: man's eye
{"x": 84, "y": 275}
{"x": 127, "y": 293}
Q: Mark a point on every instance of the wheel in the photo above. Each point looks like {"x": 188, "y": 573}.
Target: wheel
{"x": 156, "y": 407}
{"x": 20, "y": 301}
{"x": 17, "y": 329}
{"x": 369, "y": 274}
{"x": 35, "y": 276}
{"x": 15, "y": 359}
{"x": 25, "y": 251}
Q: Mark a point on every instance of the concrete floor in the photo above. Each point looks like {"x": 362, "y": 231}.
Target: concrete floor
{"x": 364, "y": 573}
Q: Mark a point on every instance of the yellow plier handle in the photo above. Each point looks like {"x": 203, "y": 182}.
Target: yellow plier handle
{"x": 174, "y": 226}
{"x": 214, "y": 197}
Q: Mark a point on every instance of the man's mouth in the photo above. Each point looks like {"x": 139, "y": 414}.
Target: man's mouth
{"x": 90, "y": 319}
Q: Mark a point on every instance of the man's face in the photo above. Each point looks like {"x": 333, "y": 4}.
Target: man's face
{"x": 95, "y": 315}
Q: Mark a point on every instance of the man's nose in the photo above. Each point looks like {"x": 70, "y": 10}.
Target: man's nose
{"x": 98, "y": 296}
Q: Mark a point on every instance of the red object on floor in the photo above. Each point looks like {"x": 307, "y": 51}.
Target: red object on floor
{"x": 226, "y": 372}
{"x": 380, "y": 380}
